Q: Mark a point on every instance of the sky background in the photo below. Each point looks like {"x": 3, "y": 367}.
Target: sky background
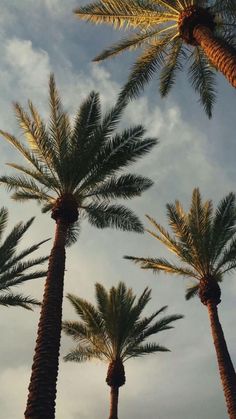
{"x": 37, "y": 38}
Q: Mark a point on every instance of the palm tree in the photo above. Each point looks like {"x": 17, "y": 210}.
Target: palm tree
{"x": 114, "y": 332}
{"x": 74, "y": 172}
{"x": 172, "y": 32}
{"x": 205, "y": 243}
{"x": 13, "y": 266}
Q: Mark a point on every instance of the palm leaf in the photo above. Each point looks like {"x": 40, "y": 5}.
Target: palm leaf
{"x": 123, "y": 14}
{"x": 126, "y": 186}
{"x": 131, "y": 43}
{"x": 18, "y": 300}
{"x": 202, "y": 78}
{"x": 173, "y": 63}
{"x": 191, "y": 291}
{"x": 143, "y": 70}
{"x": 116, "y": 216}
{"x": 161, "y": 264}
{"x": 148, "y": 348}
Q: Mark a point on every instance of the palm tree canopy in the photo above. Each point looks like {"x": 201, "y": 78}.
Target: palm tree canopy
{"x": 159, "y": 28}
{"x": 14, "y": 269}
{"x": 114, "y": 328}
{"x": 203, "y": 240}
{"x": 79, "y": 163}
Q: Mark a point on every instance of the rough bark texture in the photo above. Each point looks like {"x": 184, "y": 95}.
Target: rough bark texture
{"x": 42, "y": 388}
{"x": 116, "y": 373}
{"x": 221, "y": 55}
{"x": 114, "y": 395}
{"x": 65, "y": 208}
{"x": 209, "y": 290}
{"x": 190, "y": 18}
{"x": 226, "y": 368}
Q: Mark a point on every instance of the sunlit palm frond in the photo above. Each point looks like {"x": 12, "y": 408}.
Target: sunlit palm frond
{"x": 162, "y": 264}
{"x": 127, "y": 44}
{"x": 160, "y": 29}
{"x": 83, "y": 161}
{"x": 205, "y": 240}
{"x": 130, "y": 14}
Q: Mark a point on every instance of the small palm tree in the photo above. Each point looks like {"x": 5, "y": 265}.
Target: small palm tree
{"x": 205, "y": 243}
{"x": 14, "y": 267}
{"x": 114, "y": 332}
{"x": 172, "y": 32}
{"x": 74, "y": 172}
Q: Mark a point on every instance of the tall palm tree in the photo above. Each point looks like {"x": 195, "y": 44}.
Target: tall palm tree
{"x": 114, "y": 332}
{"x": 74, "y": 172}
{"x": 205, "y": 243}
{"x": 171, "y": 33}
{"x": 14, "y": 269}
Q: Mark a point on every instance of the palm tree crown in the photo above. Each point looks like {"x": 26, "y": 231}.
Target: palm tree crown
{"x": 73, "y": 170}
{"x": 205, "y": 241}
{"x": 169, "y": 33}
{"x": 115, "y": 332}
{"x": 13, "y": 266}
{"x": 114, "y": 329}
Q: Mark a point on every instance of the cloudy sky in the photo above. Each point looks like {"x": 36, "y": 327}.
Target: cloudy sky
{"x": 37, "y": 38}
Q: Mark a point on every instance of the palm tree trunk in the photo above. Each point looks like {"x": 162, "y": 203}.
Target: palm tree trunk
{"x": 221, "y": 55}
{"x": 42, "y": 388}
{"x": 114, "y": 395}
{"x": 226, "y": 368}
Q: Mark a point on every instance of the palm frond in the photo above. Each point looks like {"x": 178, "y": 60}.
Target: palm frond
{"x": 122, "y": 150}
{"x": 127, "y": 44}
{"x": 148, "y": 348}
{"x": 102, "y": 215}
{"x": 165, "y": 238}
{"x": 191, "y": 291}
{"x": 161, "y": 264}
{"x": 72, "y": 234}
{"x": 115, "y": 329}
{"x": 3, "y": 220}
{"x": 227, "y": 256}
{"x": 143, "y": 70}
{"x": 223, "y": 226}
{"x": 87, "y": 119}
{"x": 88, "y": 313}
{"x": 17, "y": 275}
{"x": 126, "y": 187}
{"x": 82, "y": 354}
{"x": 173, "y": 63}
{"x": 84, "y": 161}
{"x": 124, "y": 14}
{"x": 35, "y": 133}
{"x": 42, "y": 177}
{"x": 202, "y": 78}
{"x": 23, "y": 184}
{"x": 18, "y": 300}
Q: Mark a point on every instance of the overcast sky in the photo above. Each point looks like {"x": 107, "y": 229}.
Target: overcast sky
{"x": 39, "y": 37}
